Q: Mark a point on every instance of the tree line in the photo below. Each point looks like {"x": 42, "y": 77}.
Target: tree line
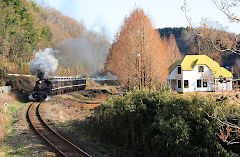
{"x": 191, "y": 43}
{"x": 19, "y": 33}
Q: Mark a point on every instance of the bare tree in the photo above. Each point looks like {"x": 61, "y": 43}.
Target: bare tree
{"x": 221, "y": 46}
{"x": 226, "y": 7}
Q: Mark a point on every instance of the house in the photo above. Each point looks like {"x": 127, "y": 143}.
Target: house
{"x": 199, "y": 73}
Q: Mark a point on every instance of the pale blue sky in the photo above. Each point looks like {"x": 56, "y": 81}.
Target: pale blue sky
{"x": 109, "y": 14}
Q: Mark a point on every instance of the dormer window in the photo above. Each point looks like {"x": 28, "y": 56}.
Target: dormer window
{"x": 200, "y": 69}
{"x": 179, "y": 69}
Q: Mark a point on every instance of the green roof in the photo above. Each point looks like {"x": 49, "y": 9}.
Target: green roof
{"x": 171, "y": 68}
{"x": 190, "y": 61}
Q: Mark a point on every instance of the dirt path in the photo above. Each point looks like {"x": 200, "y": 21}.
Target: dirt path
{"x": 21, "y": 140}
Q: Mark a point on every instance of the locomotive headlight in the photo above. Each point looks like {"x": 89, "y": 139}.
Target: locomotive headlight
{"x": 40, "y": 82}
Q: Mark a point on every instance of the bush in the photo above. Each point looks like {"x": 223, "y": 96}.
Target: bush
{"x": 1, "y": 73}
{"x": 158, "y": 123}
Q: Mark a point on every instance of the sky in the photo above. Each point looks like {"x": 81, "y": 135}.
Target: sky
{"x": 108, "y": 15}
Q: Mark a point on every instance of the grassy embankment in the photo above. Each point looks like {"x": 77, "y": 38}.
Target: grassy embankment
{"x": 7, "y": 147}
{"x": 13, "y": 144}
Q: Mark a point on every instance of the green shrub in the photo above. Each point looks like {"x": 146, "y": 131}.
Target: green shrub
{"x": 1, "y": 73}
{"x": 158, "y": 123}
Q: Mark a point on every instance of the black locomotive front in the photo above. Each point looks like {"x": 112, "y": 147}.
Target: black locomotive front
{"x": 41, "y": 89}
{"x": 55, "y": 86}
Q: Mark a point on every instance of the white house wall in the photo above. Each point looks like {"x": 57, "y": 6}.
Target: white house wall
{"x": 192, "y": 77}
{"x": 223, "y": 86}
{"x": 175, "y": 76}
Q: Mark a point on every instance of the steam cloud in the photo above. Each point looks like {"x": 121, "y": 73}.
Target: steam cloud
{"x": 44, "y": 64}
{"x": 87, "y": 52}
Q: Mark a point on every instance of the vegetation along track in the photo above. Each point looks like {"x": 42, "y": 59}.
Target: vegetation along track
{"x": 62, "y": 146}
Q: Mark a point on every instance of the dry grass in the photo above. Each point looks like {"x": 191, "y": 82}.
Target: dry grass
{"x": 233, "y": 97}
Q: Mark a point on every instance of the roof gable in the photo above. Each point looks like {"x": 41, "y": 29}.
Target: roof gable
{"x": 190, "y": 61}
{"x": 172, "y": 67}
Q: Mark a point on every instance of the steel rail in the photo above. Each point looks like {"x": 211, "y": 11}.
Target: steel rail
{"x": 61, "y": 145}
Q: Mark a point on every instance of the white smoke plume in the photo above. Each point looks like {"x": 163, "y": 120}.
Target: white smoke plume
{"x": 48, "y": 98}
{"x": 87, "y": 52}
{"x": 30, "y": 97}
{"x": 44, "y": 64}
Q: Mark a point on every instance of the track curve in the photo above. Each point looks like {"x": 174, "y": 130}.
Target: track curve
{"x": 61, "y": 145}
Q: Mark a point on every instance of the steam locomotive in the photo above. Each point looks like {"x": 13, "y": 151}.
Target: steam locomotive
{"x": 55, "y": 86}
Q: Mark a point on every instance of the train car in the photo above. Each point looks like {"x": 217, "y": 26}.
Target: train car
{"x": 55, "y": 86}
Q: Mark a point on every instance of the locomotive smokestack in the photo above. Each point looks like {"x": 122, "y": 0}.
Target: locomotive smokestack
{"x": 40, "y": 75}
{"x": 44, "y": 63}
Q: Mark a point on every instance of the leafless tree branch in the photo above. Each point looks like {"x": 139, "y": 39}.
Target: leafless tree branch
{"x": 229, "y": 48}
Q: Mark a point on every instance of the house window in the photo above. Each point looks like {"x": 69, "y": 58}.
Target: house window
{"x": 185, "y": 83}
{"x": 179, "y": 69}
{"x": 205, "y": 83}
{"x": 200, "y": 69}
{"x": 199, "y": 83}
{"x": 179, "y": 84}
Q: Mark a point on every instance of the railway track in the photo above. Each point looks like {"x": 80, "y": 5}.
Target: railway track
{"x": 61, "y": 145}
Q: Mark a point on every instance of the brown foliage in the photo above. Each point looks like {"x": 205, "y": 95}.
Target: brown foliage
{"x": 62, "y": 27}
{"x": 139, "y": 56}
{"x": 217, "y": 42}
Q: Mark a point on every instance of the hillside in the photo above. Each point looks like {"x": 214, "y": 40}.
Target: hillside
{"x": 188, "y": 43}
{"x": 27, "y": 26}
